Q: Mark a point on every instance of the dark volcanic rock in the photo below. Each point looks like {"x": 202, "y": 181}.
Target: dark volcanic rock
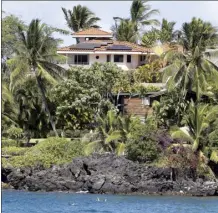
{"x": 110, "y": 174}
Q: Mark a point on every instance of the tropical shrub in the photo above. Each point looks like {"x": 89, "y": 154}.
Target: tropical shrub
{"x": 182, "y": 157}
{"x": 13, "y": 150}
{"x": 143, "y": 145}
{"x": 171, "y": 109}
{"x": 15, "y": 133}
{"x": 149, "y": 73}
{"x": 51, "y": 151}
{"x": 8, "y": 143}
{"x": 143, "y": 150}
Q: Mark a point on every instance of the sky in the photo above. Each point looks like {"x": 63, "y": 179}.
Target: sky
{"x": 50, "y": 12}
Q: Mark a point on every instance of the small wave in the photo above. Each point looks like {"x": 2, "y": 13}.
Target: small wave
{"x": 82, "y": 192}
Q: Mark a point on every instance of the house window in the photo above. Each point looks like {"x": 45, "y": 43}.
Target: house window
{"x": 81, "y": 59}
{"x": 129, "y": 58}
{"x": 118, "y": 58}
{"x": 142, "y": 57}
{"x": 108, "y": 58}
{"x": 146, "y": 101}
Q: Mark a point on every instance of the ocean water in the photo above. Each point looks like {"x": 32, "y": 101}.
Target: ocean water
{"x": 38, "y": 202}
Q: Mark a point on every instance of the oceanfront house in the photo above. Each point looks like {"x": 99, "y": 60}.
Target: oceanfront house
{"x": 95, "y": 45}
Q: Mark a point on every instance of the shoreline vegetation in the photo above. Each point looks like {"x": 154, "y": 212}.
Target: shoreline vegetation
{"x": 64, "y": 130}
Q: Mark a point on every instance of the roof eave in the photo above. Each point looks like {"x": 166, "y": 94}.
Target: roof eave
{"x": 92, "y": 36}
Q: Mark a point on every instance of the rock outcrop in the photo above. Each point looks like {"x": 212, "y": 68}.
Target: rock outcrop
{"x": 110, "y": 174}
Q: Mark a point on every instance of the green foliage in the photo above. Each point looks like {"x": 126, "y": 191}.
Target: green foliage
{"x": 10, "y": 25}
{"x": 126, "y": 31}
{"x": 15, "y": 133}
{"x": 165, "y": 34}
{"x": 51, "y": 151}
{"x": 80, "y": 18}
{"x": 84, "y": 95}
{"x": 36, "y": 56}
{"x": 14, "y": 151}
{"x": 142, "y": 145}
{"x": 171, "y": 109}
{"x": 142, "y": 90}
{"x": 8, "y": 143}
{"x": 198, "y": 119}
{"x": 198, "y": 33}
{"x": 112, "y": 133}
{"x": 148, "y": 73}
{"x": 150, "y": 38}
{"x": 140, "y": 15}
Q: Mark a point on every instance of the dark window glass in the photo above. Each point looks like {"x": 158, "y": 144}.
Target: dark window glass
{"x": 118, "y": 58}
{"x": 81, "y": 59}
{"x": 142, "y": 57}
{"x": 108, "y": 58}
{"x": 128, "y": 58}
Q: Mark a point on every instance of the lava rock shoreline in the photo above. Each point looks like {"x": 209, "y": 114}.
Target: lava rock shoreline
{"x": 110, "y": 174}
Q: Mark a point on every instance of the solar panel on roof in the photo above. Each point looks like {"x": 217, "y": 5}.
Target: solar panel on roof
{"x": 119, "y": 47}
{"x": 89, "y": 46}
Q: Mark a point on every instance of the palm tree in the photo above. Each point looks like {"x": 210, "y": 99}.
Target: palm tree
{"x": 126, "y": 31}
{"x": 113, "y": 132}
{"x": 198, "y": 33}
{"x": 80, "y": 18}
{"x": 140, "y": 14}
{"x": 198, "y": 119}
{"x": 36, "y": 54}
{"x": 150, "y": 38}
{"x": 167, "y": 33}
{"x": 9, "y": 107}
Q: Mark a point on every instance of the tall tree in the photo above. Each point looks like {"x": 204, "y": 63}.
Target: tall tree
{"x": 167, "y": 33}
{"x": 36, "y": 54}
{"x": 191, "y": 68}
{"x": 140, "y": 15}
{"x": 80, "y": 18}
{"x": 10, "y": 25}
{"x": 198, "y": 33}
{"x": 126, "y": 31}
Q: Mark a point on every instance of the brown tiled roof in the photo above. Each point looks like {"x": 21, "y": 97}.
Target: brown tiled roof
{"x": 135, "y": 47}
{"x": 93, "y": 31}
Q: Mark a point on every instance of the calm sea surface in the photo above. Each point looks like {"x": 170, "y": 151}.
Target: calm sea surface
{"x": 38, "y": 202}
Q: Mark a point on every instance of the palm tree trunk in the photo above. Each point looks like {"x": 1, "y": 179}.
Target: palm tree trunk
{"x": 44, "y": 101}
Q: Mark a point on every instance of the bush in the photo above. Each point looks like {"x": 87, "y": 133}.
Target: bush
{"x": 52, "y": 133}
{"x": 50, "y": 151}
{"x": 179, "y": 156}
{"x": 144, "y": 150}
{"x": 9, "y": 142}
{"x": 13, "y": 150}
{"x": 15, "y": 132}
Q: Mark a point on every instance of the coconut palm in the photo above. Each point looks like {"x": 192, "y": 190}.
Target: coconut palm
{"x": 140, "y": 14}
{"x": 166, "y": 32}
{"x": 190, "y": 71}
{"x": 9, "y": 107}
{"x": 80, "y": 18}
{"x": 198, "y": 33}
{"x": 150, "y": 38}
{"x": 36, "y": 55}
{"x": 126, "y": 31}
